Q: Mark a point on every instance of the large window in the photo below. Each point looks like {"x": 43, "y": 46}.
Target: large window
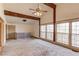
{"x": 75, "y": 34}
{"x": 66, "y": 32}
{"x": 63, "y": 33}
{"x": 50, "y": 31}
{"x": 47, "y": 31}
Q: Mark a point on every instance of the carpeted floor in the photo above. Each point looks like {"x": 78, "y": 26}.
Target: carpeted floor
{"x": 35, "y": 47}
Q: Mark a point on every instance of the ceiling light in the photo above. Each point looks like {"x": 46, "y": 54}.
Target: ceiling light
{"x": 37, "y": 13}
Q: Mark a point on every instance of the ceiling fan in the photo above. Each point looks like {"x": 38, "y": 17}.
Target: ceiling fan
{"x": 38, "y": 11}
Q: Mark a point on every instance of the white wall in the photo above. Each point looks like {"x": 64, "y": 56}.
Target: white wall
{"x": 47, "y": 17}
{"x": 3, "y": 17}
{"x": 36, "y": 29}
{"x": 67, "y": 11}
{"x": 28, "y": 28}
{"x": 23, "y": 28}
{"x": 2, "y": 11}
{"x": 20, "y": 28}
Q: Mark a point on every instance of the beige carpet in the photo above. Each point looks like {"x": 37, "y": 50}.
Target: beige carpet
{"x": 35, "y": 47}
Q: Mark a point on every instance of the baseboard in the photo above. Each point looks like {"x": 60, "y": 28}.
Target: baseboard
{"x": 43, "y": 39}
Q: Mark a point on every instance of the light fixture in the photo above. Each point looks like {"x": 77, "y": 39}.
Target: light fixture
{"x": 37, "y": 13}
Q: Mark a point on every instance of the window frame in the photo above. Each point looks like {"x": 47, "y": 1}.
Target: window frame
{"x": 46, "y": 31}
{"x": 41, "y": 31}
{"x": 50, "y": 32}
{"x": 70, "y": 21}
{"x": 60, "y": 22}
{"x": 71, "y": 32}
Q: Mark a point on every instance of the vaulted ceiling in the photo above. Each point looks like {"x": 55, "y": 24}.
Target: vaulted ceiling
{"x": 23, "y": 8}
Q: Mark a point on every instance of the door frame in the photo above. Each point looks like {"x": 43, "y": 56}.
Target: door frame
{"x": 1, "y": 31}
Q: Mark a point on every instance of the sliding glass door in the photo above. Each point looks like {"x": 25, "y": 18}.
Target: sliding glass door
{"x": 63, "y": 33}
{"x": 75, "y": 34}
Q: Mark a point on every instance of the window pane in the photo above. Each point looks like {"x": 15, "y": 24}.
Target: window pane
{"x": 63, "y": 33}
{"x": 50, "y": 28}
{"x": 43, "y": 31}
{"x": 75, "y": 34}
{"x": 50, "y": 35}
{"x": 50, "y": 31}
{"x": 42, "y": 34}
{"x": 43, "y": 28}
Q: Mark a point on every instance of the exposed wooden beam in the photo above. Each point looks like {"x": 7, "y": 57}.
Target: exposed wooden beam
{"x": 10, "y": 13}
{"x": 52, "y": 5}
{"x": 39, "y": 26}
{"x": 54, "y": 22}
